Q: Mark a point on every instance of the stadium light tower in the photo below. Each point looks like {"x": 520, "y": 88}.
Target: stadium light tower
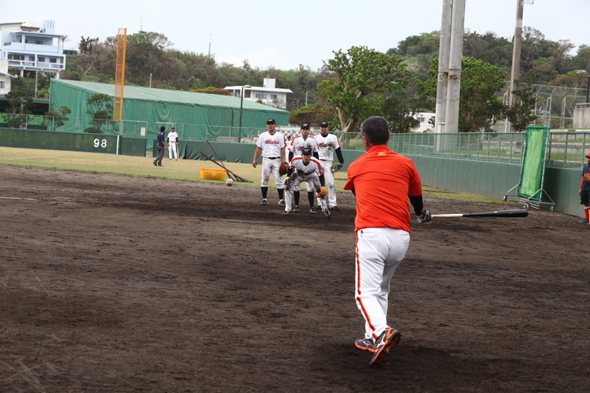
{"x": 241, "y": 108}
{"x": 587, "y": 84}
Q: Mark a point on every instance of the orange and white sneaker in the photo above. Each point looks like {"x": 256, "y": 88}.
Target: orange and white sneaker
{"x": 366, "y": 344}
{"x": 385, "y": 343}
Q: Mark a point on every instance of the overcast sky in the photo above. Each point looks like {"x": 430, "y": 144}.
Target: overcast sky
{"x": 284, "y": 34}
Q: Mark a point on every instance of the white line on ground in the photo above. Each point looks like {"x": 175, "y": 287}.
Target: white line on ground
{"x": 24, "y": 199}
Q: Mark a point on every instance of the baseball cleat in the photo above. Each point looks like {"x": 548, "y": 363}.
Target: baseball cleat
{"x": 286, "y": 213}
{"x": 282, "y": 202}
{"x": 160, "y": 165}
{"x": 318, "y": 207}
{"x": 326, "y": 213}
{"x": 366, "y": 344}
{"x": 385, "y": 343}
{"x": 264, "y": 202}
{"x": 334, "y": 208}
{"x": 296, "y": 209}
{"x": 584, "y": 221}
{"x": 155, "y": 163}
{"x": 312, "y": 211}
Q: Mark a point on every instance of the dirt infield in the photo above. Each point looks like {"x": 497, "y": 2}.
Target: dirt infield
{"x": 112, "y": 283}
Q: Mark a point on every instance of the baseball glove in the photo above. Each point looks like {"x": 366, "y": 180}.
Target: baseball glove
{"x": 284, "y": 168}
{"x": 322, "y": 193}
{"x": 336, "y": 167}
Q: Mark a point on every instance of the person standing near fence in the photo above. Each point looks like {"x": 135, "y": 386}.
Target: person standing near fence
{"x": 161, "y": 143}
{"x": 584, "y": 192}
{"x": 173, "y": 144}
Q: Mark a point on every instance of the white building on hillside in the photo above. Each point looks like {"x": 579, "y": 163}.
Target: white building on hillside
{"x": 5, "y": 81}
{"x": 267, "y": 94}
{"x": 424, "y": 118}
{"x": 31, "y": 48}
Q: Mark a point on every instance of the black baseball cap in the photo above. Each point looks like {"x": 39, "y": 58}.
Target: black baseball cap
{"x": 305, "y": 126}
{"x": 306, "y": 152}
{"x": 324, "y": 124}
{"x": 271, "y": 121}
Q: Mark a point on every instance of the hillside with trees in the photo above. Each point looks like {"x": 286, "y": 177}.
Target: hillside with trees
{"x": 395, "y": 92}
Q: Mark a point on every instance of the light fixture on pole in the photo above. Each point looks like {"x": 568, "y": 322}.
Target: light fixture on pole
{"x": 588, "y": 83}
{"x": 241, "y": 108}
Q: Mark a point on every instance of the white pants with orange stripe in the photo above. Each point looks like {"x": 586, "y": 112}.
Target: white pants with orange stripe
{"x": 379, "y": 252}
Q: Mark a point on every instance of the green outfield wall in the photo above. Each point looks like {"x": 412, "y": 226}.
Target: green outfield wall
{"x": 94, "y": 143}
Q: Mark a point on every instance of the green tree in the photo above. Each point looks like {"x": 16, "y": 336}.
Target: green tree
{"x": 58, "y": 117}
{"x": 399, "y": 110}
{"x": 313, "y": 114}
{"x": 521, "y": 113}
{"x": 19, "y": 104}
{"x": 362, "y": 76}
{"x": 479, "y": 106}
{"x": 101, "y": 110}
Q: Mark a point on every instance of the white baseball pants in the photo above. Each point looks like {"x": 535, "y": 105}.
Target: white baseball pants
{"x": 271, "y": 166}
{"x": 379, "y": 252}
{"x": 172, "y": 148}
{"x": 330, "y": 184}
{"x": 313, "y": 180}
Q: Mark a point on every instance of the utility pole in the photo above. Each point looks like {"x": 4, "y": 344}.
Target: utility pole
{"x": 516, "y": 49}
{"x": 456, "y": 54}
{"x": 443, "y": 67}
{"x": 210, "y": 35}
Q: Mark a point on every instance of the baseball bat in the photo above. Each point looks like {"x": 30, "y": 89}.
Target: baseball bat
{"x": 500, "y": 213}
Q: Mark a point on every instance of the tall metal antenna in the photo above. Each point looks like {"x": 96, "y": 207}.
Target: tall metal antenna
{"x": 210, "y": 35}
{"x": 141, "y": 23}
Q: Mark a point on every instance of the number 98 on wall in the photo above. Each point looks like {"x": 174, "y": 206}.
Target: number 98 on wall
{"x": 98, "y": 143}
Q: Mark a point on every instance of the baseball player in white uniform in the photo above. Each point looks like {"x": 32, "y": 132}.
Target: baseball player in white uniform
{"x": 272, "y": 146}
{"x": 173, "y": 144}
{"x": 327, "y": 145}
{"x": 307, "y": 169}
{"x": 297, "y": 145}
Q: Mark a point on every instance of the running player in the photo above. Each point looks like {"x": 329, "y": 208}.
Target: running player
{"x": 309, "y": 170}
{"x": 272, "y": 146}
{"x": 384, "y": 183}
{"x": 327, "y": 145}
{"x": 299, "y": 143}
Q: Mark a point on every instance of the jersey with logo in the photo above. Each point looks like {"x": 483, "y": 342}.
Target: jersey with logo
{"x": 326, "y": 146}
{"x": 271, "y": 145}
{"x": 298, "y": 144}
{"x": 382, "y": 181}
{"x": 303, "y": 170}
{"x": 172, "y": 137}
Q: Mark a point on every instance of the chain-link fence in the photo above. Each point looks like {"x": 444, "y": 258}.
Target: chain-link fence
{"x": 554, "y": 106}
{"x": 73, "y": 124}
{"x": 564, "y": 148}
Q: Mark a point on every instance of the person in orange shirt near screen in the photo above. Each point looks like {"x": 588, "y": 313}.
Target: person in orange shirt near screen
{"x": 384, "y": 183}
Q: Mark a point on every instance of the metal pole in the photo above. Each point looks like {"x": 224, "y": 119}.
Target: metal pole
{"x": 443, "y": 66}
{"x": 241, "y": 108}
{"x": 588, "y": 89}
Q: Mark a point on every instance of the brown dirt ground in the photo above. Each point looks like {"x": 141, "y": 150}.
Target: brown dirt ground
{"x": 113, "y": 283}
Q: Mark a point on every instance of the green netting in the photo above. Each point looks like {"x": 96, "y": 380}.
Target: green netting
{"x": 533, "y": 166}
{"x": 167, "y": 106}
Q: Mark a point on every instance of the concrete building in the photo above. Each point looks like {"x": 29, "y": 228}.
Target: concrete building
{"x": 5, "y": 80}
{"x": 424, "y": 119}
{"x": 267, "y": 94}
{"x": 32, "y": 48}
